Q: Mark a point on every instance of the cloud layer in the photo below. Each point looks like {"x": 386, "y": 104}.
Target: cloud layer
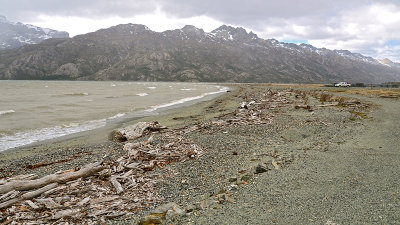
{"x": 366, "y": 26}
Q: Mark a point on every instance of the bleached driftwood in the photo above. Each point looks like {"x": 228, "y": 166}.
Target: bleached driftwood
{"x": 135, "y": 131}
{"x": 311, "y": 106}
{"x": 24, "y": 185}
{"x": 31, "y": 204}
{"x": 65, "y": 213}
{"x": 9, "y": 195}
{"x": 23, "y": 177}
{"x": 116, "y": 184}
{"x": 28, "y": 195}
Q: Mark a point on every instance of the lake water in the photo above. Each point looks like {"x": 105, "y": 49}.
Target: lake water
{"x": 32, "y": 111}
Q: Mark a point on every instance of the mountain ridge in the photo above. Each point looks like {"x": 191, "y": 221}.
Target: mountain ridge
{"x": 16, "y": 34}
{"x": 226, "y": 54}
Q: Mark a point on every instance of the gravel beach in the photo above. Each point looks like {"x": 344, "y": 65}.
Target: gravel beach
{"x": 305, "y": 156}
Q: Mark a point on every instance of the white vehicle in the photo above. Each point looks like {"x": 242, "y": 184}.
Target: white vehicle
{"x": 343, "y": 84}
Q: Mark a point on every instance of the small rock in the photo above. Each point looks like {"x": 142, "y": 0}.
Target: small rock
{"x": 190, "y": 208}
{"x": 150, "y": 221}
{"x": 232, "y": 188}
{"x": 173, "y": 212}
{"x": 277, "y": 164}
{"x": 222, "y": 198}
{"x": 232, "y": 179}
{"x": 261, "y": 168}
{"x": 206, "y": 203}
{"x": 246, "y": 177}
{"x": 161, "y": 213}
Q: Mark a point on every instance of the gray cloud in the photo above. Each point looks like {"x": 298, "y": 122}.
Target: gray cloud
{"x": 21, "y": 9}
{"x": 334, "y": 24}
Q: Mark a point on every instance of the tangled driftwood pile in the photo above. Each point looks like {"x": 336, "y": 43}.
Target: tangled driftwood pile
{"x": 98, "y": 191}
{"x": 255, "y": 110}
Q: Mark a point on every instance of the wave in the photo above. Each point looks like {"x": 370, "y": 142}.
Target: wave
{"x": 142, "y": 94}
{"x": 78, "y": 94}
{"x": 28, "y": 137}
{"x": 183, "y": 100}
{"x": 72, "y": 94}
{"x": 151, "y": 87}
{"x": 116, "y": 116}
{"x": 6, "y": 112}
{"x": 9, "y": 141}
{"x": 188, "y": 89}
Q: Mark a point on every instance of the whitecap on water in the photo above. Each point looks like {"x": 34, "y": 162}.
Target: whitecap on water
{"x": 142, "y": 94}
{"x": 5, "y": 112}
{"x": 32, "y": 136}
{"x": 183, "y": 100}
{"x": 151, "y": 87}
{"x": 117, "y": 116}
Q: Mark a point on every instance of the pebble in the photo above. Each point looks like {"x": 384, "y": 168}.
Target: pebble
{"x": 232, "y": 179}
{"x": 261, "y": 168}
{"x": 246, "y": 178}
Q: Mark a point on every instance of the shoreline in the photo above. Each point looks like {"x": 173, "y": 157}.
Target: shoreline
{"x": 291, "y": 156}
{"x": 126, "y": 119}
{"x": 85, "y": 143}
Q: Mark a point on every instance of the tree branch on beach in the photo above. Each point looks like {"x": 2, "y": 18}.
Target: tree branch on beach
{"x": 25, "y": 185}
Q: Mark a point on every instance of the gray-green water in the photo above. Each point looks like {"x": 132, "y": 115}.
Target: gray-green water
{"x": 32, "y": 111}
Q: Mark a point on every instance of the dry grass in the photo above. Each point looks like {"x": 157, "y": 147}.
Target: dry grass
{"x": 373, "y": 92}
{"x": 359, "y": 115}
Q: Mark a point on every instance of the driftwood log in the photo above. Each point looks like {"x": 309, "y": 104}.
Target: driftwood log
{"x": 135, "y": 131}
{"x": 25, "y": 185}
{"x": 28, "y": 195}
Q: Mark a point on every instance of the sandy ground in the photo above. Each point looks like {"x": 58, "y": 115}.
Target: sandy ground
{"x": 336, "y": 167}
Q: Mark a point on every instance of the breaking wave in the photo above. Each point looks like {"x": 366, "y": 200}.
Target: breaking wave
{"x": 6, "y": 112}
{"x": 28, "y": 137}
{"x": 183, "y": 100}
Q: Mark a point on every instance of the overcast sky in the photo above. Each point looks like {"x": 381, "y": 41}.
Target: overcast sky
{"x": 369, "y": 27}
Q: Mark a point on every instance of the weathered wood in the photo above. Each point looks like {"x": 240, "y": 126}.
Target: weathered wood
{"x": 28, "y": 195}
{"x": 25, "y": 185}
{"x": 116, "y": 185}
{"x": 9, "y": 195}
{"x": 326, "y": 105}
{"x": 48, "y": 202}
{"x": 135, "y": 131}
{"x": 104, "y": 199}
{"x": 23, "y": 177}
{"x": 84, "y": 201}
{"x": 31, "y": 204}
{"x": 65, "y": 213}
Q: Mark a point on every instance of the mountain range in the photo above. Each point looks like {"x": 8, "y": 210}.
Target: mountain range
{"x": 13, "y": 35}
{"x": 226, "y": 54}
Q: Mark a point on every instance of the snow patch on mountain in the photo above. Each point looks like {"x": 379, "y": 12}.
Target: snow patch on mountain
{"x": 16, "y": 34}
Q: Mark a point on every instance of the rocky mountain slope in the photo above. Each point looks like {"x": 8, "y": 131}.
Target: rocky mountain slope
{"x": 13, "y": 35}
{"x": 227, "y": 54}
